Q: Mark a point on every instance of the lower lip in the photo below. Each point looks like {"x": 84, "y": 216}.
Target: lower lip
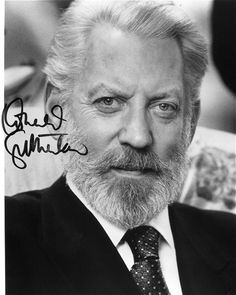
{"x": 128, "y": 173}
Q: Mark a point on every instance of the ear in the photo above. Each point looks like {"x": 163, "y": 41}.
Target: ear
{"x": 196, "y": 109}
{"x": 51, "y": 97}
{"x": 53, "y": 109}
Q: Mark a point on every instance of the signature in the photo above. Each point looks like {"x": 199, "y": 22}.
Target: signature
{"x": 14, "y": 121}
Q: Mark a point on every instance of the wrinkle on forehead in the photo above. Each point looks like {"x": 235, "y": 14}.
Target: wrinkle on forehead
{"x": 109, "y": 43}
{"x": 129, "y": 62}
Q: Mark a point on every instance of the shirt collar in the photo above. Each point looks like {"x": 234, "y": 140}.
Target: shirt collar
{"x": 160, "y": 222}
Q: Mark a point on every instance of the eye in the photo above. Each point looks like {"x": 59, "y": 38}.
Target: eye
{"x": 166, "y": 110}
{"x": 108, "y": 104}
{"x": 164, "y": 106}
{"x": 107, "y": 100}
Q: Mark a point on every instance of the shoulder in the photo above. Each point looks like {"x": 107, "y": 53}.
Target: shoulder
{"x": 23, "y": 200}
{"x": 22, "y": 212}
{"x": 26, "y": 205}
{"x": 215, "y": 224}
{"x": 202, "y": 214}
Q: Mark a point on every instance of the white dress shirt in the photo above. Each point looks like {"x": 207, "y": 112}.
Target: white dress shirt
{"x": 166, "y": 251}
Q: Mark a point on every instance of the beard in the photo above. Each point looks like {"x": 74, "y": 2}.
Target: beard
{"x": 125, "y": 201}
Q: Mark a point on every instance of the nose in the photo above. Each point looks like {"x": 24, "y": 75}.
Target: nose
{"x": 136, "y": 130}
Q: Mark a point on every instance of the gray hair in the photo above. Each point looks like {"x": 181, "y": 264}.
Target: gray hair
{"x": 145, "y": 18}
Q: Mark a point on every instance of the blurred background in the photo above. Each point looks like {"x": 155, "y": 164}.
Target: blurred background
{"x": 29, "y": 28}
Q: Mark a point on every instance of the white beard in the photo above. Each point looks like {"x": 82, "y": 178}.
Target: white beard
{"x": 126, "y": 202}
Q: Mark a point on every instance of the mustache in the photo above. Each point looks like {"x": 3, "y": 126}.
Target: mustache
{"x": 127, "y": 158}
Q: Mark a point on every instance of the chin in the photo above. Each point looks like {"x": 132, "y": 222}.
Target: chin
{"x": 128, "y": 202}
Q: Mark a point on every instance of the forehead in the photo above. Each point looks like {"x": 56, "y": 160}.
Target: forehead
{"x": 125, "y": 56}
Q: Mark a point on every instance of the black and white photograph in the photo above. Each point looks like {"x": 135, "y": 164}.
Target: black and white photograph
{"x": 119, "y": 147}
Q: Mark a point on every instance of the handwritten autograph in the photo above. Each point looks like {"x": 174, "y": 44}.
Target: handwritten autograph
{"x": 15, "y": 123}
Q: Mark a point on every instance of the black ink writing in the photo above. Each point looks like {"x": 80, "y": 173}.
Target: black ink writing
{"x": 15, "y": 123}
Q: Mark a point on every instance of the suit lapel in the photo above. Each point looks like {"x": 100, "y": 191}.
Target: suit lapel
{"x": 79, "y": 247}
{"x": 203, "y": 268}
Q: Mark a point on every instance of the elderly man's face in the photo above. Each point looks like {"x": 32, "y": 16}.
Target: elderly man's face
{"x": 131, "y": 94}
{"x": 130, "y": 101}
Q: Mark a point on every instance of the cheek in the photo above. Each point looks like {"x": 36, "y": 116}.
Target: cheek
{"x": 97, "y": 139}
{"x": 168, "y": 140}
{"x": 99, "y": 132}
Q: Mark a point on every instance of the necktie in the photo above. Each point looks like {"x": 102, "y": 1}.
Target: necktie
{"x": 146, "y": 271}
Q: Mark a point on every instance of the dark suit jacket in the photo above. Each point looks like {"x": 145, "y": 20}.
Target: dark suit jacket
{"x": 55, "y": 246}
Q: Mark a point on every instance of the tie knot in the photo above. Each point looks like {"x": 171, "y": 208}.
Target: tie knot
{"x": 143, "y": 241}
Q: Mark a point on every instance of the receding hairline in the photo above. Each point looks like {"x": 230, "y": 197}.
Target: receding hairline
{"x": 144, "y": 24}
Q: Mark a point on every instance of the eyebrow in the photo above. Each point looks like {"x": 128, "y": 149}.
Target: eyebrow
{"x": 101, "y": 87}
{"x": 163, "y": 94}
{"x": 167, "y": 93}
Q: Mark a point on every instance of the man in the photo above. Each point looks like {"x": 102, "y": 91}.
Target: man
{"x": 127, "y": 75}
